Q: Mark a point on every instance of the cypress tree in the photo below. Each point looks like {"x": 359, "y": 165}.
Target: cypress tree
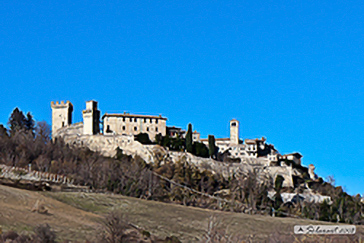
{"x": 212, "y": 146}
{"x": 189, "y": 141}
{"x": 278, "y": 184}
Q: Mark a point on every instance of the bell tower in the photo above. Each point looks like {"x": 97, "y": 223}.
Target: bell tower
{"x": 61, "y": 115}
{"x": 234, "y": 132}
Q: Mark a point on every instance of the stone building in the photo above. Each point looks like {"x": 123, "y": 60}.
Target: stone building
{"x": 176, "y": 132}
{"x": 61, "y": 115}
{"x": 128, "y": 124}
{"x": 91, "y": 119}
{"x": 113, "y": 124}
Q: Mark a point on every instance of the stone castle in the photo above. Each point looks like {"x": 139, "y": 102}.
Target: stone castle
{"x": 118, "y": 130}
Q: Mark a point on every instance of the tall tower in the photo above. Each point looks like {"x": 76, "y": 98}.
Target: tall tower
{"x": 234, "y": 132}
{"x": 61, "y": 115}
{"x": 91, "y": 118}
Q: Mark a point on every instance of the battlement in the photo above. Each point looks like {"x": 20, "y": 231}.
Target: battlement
{"x": 62, "y": 104}
{"x": 61, "y": 115}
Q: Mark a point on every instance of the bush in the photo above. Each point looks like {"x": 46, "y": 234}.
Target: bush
{"x": 113, "y": 228}
{"x": 143, "y": 138}
{"x": 44, "y": 234}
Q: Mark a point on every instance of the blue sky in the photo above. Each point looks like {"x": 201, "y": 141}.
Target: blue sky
{"x": 291, "y": 71}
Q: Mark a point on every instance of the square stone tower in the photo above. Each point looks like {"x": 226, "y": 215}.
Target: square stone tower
{"x": 91, "y": 118}
{"x": 234, "y": 132}
{"x": 61, "y": 115}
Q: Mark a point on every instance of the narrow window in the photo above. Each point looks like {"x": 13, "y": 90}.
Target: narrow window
{"x": 147, "y": 129}
{"x": 233, "y": 124}
{"x": 156, "y": 129}
{"x": 135, "y": 128}
{"x": 151, "y": 120}
{"x": 135, "y": 120}
{"x": 62, "y": 124}
{"x": 123, "y": 128}
{"x": 123, "y": 119}
{"x": 145, "y": 120}
{"x": 156, "y": 121}
{"x": 131, "y": 119}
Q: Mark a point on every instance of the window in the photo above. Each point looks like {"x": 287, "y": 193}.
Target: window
{"x": 233, "y": 124}
{"x": 62, "y": 124}
{"x": 151, "y": 120}
{"x": 135, "y": 120}
{"x": 156, "y": 129}
{"x": 145, "y": 120}
{"x": 147, "y": 129}
{"x": 156, "y": 121}
{"x": 135, "y": 129}
{"x": 123, "y": 128}
{"x": 123, "y": 119}
{"x": 131, "y": 119}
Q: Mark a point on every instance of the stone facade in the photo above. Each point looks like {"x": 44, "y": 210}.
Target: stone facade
{"x": 113, "y": 124}
{"x": 234, "y": 132}
{"x": 91, "y": 118}
{"x": 129, "y": 124}
{"x": 61, "y": 115}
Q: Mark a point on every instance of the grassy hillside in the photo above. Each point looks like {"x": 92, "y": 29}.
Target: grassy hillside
{"x": 75, "y": 216}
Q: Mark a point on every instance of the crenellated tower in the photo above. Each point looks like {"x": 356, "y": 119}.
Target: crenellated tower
{"x": 61, "y": 115}
{"x": 91, "y": 118}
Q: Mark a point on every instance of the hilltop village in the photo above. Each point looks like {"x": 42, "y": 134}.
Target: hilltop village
{"x": 120, "y": 131}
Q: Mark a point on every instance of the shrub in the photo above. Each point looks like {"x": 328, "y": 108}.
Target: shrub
{"x": 44, "y": 234}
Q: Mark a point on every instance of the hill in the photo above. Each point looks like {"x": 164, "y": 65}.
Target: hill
{"x": 76, "y": 216}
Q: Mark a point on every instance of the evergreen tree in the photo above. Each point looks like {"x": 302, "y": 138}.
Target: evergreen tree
{"x": 143, "y": 138}
{"x": 200, "y": 149}
{"x": 3, "y": 131}
{"x": 159, "y": 139}
{"x": 212, "y": 146}
{"x": 16, "y": 121}
{"x": 278, "y": 183}
{"x": 29, "y": 123}
{"x": 189, "y": 141}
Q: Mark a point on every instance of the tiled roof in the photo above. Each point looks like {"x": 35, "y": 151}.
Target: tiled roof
{"x": 217, "y": 139}
{"x": 133, "y": 116}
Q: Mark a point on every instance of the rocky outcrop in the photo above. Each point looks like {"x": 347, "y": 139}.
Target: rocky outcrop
{"x": 107, "y": 144}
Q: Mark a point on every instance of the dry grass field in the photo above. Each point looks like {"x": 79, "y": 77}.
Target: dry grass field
{"x": 76, "y": 216}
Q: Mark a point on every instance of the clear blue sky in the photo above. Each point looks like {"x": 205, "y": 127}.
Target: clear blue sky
{"x": 291, "y": 71}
